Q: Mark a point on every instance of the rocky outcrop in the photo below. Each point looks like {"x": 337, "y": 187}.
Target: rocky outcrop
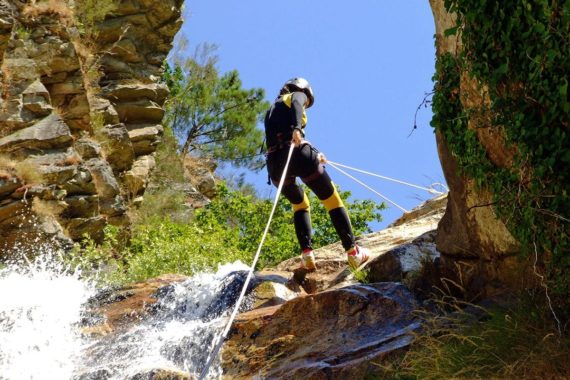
{"x": 322, "y": 325}
{"x": 336, "y": 334}
{"x": 336, "y": 328}
{"x": 477, "y": 249}
{"x": 81, "y": 116}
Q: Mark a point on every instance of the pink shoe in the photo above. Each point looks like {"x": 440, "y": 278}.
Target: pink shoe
{"x": 357, "y": 256}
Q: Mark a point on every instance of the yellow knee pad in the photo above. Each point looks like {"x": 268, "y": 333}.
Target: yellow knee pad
{"x": 304, "y": 205}
{"x": 333, "y": 201}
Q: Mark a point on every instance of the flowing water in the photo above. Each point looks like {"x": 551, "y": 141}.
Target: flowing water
{"x": 42, "y": 308}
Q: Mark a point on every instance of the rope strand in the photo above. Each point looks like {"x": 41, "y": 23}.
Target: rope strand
{"x": 429, "y": 190}
{"x": 250, "y": 273}
{"x": 366, "y": 186}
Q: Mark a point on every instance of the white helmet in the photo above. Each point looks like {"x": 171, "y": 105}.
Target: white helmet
{"x": 299, "y": 84}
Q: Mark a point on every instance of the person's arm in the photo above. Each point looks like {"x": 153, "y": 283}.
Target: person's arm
{"x": 298, "y": 101}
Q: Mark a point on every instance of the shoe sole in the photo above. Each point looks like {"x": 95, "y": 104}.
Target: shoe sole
{"x": 309, "y": 265}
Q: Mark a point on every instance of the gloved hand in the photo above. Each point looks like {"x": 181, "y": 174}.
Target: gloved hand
{"x": 297, "y": 138}
{"x": 322, "y": 158}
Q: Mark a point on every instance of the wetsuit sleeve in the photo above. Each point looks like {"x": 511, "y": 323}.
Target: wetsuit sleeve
{"x": 298, "y": 101}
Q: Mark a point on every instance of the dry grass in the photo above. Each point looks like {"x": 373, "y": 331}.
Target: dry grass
{"x": 59, "y": 8}
{"x": 516, "y": 343}
{"x": 7, "y": 167}
{"x": 73, "y": 159}
{"x": 47, "y": 208}
{"x": 28, "y": 172}
{"x": 6, "y": 163}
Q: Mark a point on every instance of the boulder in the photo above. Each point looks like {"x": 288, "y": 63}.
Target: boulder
{"x": 36, "y": 99}
{"x": 117, "y": 147}
{"x": 70, "y": 85}
{"x": 400, "y": 243}
{"x": 161, "y": 374}
{"x": 124, "y": 307}
{"x": 57, "y": 174}
{"x": 146, "y": 138}
{"x": 105, "y": 181}
{"x": 21, "y": 69}
{"x": 121, "y": 92}
{"x": 82, "y": 183}
{"x": 333, "y": 334}
{"x": 8, "y": 185}
{"x": 78, "y": 228}
{"x": 136, "y": 179}
{"x": 406, "y": 259}
{"x": 200, "y": 174}
{"x": 81, "y": 206}
{"x": 87, "y": 148}
{"x": 140, "y": 111}
{"x": 103, "y": 107}
{"x": 49, "y": 133}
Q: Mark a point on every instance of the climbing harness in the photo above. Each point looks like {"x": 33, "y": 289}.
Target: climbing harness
{"x": 250, "y": 273}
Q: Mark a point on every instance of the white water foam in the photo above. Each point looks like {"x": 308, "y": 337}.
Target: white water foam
{"x": 41, "y": 311}
{"x": 40, "y": 306}
{"x": 180, "y": 335}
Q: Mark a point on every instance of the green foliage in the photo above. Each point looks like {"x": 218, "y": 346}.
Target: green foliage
{"x": 227, "y": 230}
{"x": 22, "y": 33}
{"x": 520, "y": 51}
{"x": 163, "y": 246}
{"x": 97, "y": 261}
{"x": 360, "y": 275}
{"x": 89, "y": 12}
{"x": 212, "y": 114}
{"x": 245, "y": 218}
{"x": 165, "y": 195}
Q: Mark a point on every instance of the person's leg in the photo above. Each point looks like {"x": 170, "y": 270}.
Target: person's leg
{"x": 321, "y": 184}
{"x": 301, "y": 213}
{"x": 314, "y": 175}
{"x": 295, "y": 195}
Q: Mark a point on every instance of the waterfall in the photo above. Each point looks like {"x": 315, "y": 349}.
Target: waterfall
{"x": 43, "y": 308}
{"x": 40, "y": 307}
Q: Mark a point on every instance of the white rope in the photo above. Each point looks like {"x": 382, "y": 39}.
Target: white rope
{"x": 250, "y": 273}
{"x": 430, "y": 190}
{"x": 365, "y": 185}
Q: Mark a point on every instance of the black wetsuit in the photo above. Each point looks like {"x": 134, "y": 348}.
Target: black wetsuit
{"x": 284, "y": 116}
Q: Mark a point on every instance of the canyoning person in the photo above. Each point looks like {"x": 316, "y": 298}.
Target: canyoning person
{"x": 284, "y": 125}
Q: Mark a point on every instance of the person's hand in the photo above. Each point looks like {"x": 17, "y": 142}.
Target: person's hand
{"x": 297, "y": 138}
{"x": 322, "y": 158}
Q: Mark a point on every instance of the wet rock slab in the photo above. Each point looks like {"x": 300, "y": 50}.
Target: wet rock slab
{"x": 332, "y": 334}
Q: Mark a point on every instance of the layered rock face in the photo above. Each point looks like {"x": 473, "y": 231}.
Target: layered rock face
{"x": 80, "y": 119}
{"x": 476, "y": 246}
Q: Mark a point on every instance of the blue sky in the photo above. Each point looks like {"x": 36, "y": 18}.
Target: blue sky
{"x": 370, "y": 63}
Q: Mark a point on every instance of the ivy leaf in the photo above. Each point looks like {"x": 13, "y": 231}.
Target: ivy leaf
{"x": 502, "y": 70}
{"x": 450, "y": 31}
{"x": 563, "y": 90}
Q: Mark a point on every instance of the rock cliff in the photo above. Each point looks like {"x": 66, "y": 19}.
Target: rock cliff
{"x": 477, "y": 248}
{"x": 81, "y": 113}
